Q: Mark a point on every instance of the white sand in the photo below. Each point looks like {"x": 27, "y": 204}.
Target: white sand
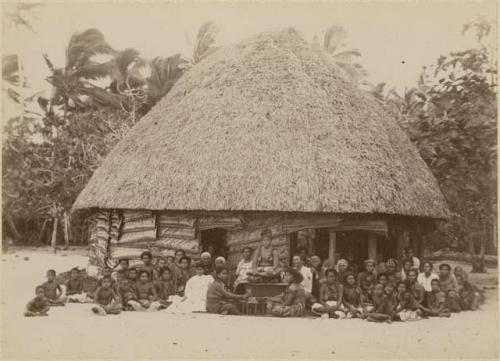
{"x": 74, "y": 332}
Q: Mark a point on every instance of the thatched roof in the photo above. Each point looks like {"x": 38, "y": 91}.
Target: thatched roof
{"x": 269, "y": 124}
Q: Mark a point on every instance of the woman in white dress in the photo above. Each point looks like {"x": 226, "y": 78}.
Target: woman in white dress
{"x": 195, "y": 294}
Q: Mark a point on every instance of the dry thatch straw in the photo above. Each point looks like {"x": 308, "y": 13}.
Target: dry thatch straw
{"x": 269, "y": 124}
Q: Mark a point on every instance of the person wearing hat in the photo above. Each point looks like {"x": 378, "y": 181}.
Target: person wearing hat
{"x": 369, "y": 271}
{"x": 266, "y": 257}
{"x": 292, "y": 302}
{"x": 449, "y": 285}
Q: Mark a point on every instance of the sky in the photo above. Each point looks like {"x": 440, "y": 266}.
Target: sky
{"x": 396, "y": 39}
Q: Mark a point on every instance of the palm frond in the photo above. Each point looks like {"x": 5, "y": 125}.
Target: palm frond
{"x": 164, "y": 73}
{"x": 204, "y": 40}
{"x": 334, "y": 37}
{"x": 83, "y": 46}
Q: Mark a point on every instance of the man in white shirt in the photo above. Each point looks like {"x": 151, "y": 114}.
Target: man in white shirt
{"x": 305, "y": 272}
{"x": 425, "y": 278}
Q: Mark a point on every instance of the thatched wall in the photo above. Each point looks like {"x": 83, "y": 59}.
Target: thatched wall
{"x": 127, "y": 233}
{"x": 269, "y": 124}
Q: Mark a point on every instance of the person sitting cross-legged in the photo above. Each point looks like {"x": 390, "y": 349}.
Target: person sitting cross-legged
{"x": 107, "y": 302}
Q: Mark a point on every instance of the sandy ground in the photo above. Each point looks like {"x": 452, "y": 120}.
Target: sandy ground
{"x": 74, "y": 332}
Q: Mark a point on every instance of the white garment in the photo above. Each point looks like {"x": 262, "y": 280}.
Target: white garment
{"x": 425, "y": 281}
{"x": 195, "y": 296}
{"x": 416, "y": 263}
{"x": 241, "y": 272}
{"x": 307, "y": 282}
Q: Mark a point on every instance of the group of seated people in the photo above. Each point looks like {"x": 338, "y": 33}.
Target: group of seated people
{"x": 379, "y": 293}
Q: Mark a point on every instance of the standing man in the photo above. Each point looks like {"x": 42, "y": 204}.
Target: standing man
{"x": 306, "y": 273}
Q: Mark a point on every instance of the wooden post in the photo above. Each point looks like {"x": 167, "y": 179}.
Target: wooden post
{"x": 333, "y": 244}
{"x": 372, "y": 246}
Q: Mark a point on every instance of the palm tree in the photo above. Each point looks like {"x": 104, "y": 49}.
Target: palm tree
{"x": 72, "y": 81}
{"x": 333, "y": 44}
{"x": 164, "y": 73}
{"x": 205, "y": 40}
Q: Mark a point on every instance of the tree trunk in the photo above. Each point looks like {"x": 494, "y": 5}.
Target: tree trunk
{"x": 478, "y": 260}
{"x": 53, "y": 241}
{"x": 42, "y": 232}
{"x": 66, "y": 230}
{"x": 13, "y": 229}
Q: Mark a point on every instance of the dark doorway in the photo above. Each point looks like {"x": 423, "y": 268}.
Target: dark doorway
{"x": 352, "y": 246}
{"x": 322, "y": 243}
{"x": 214, "y": 241}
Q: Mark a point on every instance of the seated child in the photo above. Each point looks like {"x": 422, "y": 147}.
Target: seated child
{"x": 391, "y": 293}
{"x": 146, "y": 297}
{"x": 106, "y": 272}
{"x": 383, "y": 279}
{"x": 382, "y": 308}
{"x": 147, "y": 265}
{"x": 124, "y": 288}
{"x": 353, "y": 298}
{"x": 74, "y": 288}
{"x": 161, "y": 263}
{"x": 367, "y": 290}
{"x": 415, "y": 288}
{"x": 132, "y": 275}
{"x": 436, "y": 301}
{"x": 53, "y": 291}
{"x": 292, "y": 302}
{"x": 122, "y": 268}
{"x": 165, "y": 287}
{"x": 106, "y": 300}
{"x": 460, "y": 272}
{"x": 330, "y": 297}
{"x": 448, "y": 284}
{"x": 38, "y": 306}
{"x": 182, "y": 275}
{"x": 369, "y": 271}
{"x": 468, "y": 294}
{"x": 408, "y": 308}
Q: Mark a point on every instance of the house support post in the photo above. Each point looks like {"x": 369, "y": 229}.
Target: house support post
{"x": 372, "y": 246}
{"x": 332, "y": 234}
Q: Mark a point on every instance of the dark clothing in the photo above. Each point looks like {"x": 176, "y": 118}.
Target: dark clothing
{"x": 164, "y": 289}
{"x": 218, "y": 296}
{"x": 382, "y": 305}
{"x": 208, "y": 268}
{"x": 330, "y": 292}
{"x": 352, "y": 295}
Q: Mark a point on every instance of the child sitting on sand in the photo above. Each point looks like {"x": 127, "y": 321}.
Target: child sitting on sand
{"x": 145, "y": 294}
{"x": 352, "y": 298}
{"x": 74, "y": 287}
{"x": 331, "y": 291}
{"x": 38, "y": 306}
{"x": 436, "y": 301}
{"x": 382, "y": 308}
{"x": 106, "y": 300}
{"x": 53, "y": 291}
{"x": 165, "y": 287}
{"x": 408, "y": 308}
{"x": 468, "y": 294}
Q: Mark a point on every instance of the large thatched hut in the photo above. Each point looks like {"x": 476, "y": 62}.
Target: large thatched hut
{"x": 266, "y": 133}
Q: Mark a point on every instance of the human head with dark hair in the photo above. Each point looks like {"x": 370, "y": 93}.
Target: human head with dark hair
{"x": 179, "y": 254}
{"x": 297, "y": 261}
{"x": 266, "y": 236}
{"x": 166, "y": 274}
{"x": 51, "y": 275}
{"x": 435, "y": 286}
{"x": 222, "y": 273}
{"x": 409, "y": 253}
{"x": 412, "y": 276}
{"x": 146, "y": 257}
{"x": 389, "y": 289}
{"x": 106, "y": 282}
{"x": 199, "y": 269}
{"x": 331, "y": 276}
{"x": 378, "y": 290}
{"x": 161, "y": 263}
{"x": 370, "y": 265}
{"x": 185, "y": 262}
{"x": 75, "y": 273}
{"x": 247, "y": 253}
{"x": 383, "y": 279}
{"x": 106, "y": 271}
{"x": 40, "y": 292}
{"x": 123, "y": 264}
{"x": 401, "y": 286}
{"x": 427, "y": 267}
{"x": 143, "y": 276}
{"x": 132, "y": 274}
{"x": 293, "y": 276}
{"x": 444, "y": 269}
{"x": 350, "y": 278}
{"x": 391, "y": 266}
{"x": 407, "y": 264}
